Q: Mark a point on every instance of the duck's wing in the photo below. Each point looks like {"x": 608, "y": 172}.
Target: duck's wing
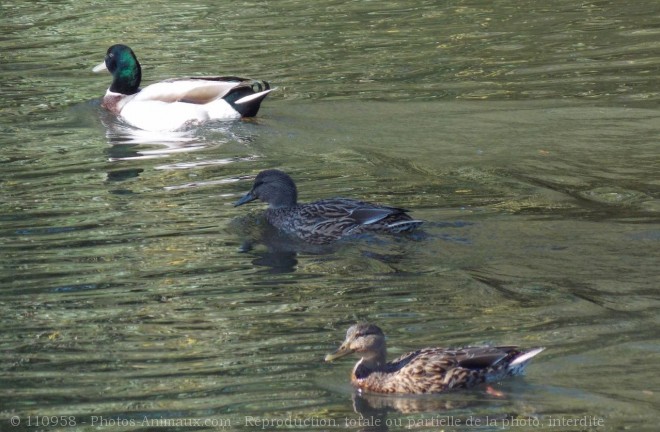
{"x": 367, "y": 214}
{"x": 392, "y": 219}
{"x": 440, "y": 360}
{"x": 481, "y": 357}
{"x": 203, "y": 90}
{"x": 331, "y": 219}
{"x": 357, "y": 212}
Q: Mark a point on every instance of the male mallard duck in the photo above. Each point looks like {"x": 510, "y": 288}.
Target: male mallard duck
{"x": 428, "y": 370}
{"x": 323, "y": 221}
{"x": 174, "y": 103}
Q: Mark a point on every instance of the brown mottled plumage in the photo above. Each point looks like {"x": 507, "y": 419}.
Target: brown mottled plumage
{"x": 323, "y": 221}
{"x": 428, "y": 370}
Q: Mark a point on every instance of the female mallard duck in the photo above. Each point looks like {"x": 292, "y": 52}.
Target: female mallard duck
{"x": 323, "y": 221}
{"x": 175, "y": 103}
{"x": 428, "y": 370}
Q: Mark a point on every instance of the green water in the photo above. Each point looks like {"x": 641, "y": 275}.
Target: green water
{"x": 525, "y": 133}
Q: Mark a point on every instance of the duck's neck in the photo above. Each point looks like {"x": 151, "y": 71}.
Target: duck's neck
{"x": 370, "y": 362}
{"x": 284, "y": 201}
{"x": 282, "y": 205}
{"x": 282, "y": 194}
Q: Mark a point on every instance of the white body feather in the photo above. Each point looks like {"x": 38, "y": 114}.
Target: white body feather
{"x": 171, "y": 105}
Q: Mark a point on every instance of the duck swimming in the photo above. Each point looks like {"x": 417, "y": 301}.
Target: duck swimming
{"x": 175, "y": 103}
{"x": 323, "y": 221}
{"x": 428, "y": 370}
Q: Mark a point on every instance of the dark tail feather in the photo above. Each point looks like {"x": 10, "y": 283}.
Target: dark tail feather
{"x": 246, "y": 99}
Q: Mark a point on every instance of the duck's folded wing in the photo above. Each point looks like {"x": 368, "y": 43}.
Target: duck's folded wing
{"x": 368, "y": 215}
{"x": 194, "y": 90}
{"x": 361, "y": 213}
{"x": 441, "y": 360}
{"x": 481, "y": 357}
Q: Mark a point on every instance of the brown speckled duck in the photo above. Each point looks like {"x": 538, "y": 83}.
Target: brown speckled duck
{"x": 428, "y": 370}
{"x": 323, "y": 221}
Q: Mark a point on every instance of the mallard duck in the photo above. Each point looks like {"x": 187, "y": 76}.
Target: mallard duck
{"x": 323, "y": 221}
{"x": 428, "y": 370}
{"x": 175, "y": 103}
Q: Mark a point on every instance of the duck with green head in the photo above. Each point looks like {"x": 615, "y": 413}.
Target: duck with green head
{"x": 427, "y": 370}
{"x": 175, "y": 103}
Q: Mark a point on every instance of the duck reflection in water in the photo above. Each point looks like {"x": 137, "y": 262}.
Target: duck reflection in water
{"x": 272, "y": 249}
{"x": 444, "y": 414}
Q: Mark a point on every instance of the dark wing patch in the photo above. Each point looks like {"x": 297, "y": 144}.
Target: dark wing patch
{"x": 482, "y": 357}
{"x": 370, "y": 215}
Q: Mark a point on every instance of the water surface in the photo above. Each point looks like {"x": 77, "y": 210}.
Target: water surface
{"x": 525, "y": 133}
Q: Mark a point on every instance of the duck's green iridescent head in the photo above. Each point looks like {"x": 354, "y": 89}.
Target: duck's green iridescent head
{"x": 121, "y": 62}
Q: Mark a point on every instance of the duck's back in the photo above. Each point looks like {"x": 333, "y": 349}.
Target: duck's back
{"x": 331, "y": 219}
